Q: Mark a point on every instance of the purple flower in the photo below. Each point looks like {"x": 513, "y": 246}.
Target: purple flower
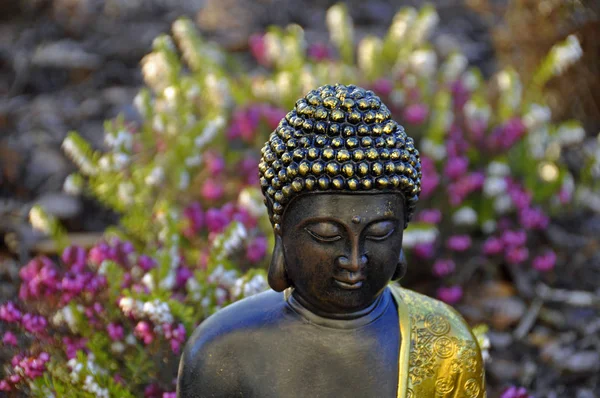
{"x": 430, "y": 178}
{"x": 256, "y": 250}
{"x": 415, "y": 114}
{"x": 215, "y": 163}
{"x": 450, "y": 294}
{"x": 153, "y": 391}
{"x": 318, "y": 52}
{"x": 272, "y": 115}
{"x": 493, "y": 246}
{"x": 40, "y": 278}
{"x": 195, "y": 217}
{"x": 169, "y": 395}
{"x": 72, "y": 345}
{"x": 504, "y": 137}
{"x": 430, "y": 216}
{"x": 74, "y": 257}
{"x": 424, "y": 251}
{"x": 9, "y": 313}
{"x": 514, "y": 238}
{"x": 244, "y": 124}
{"x": 146, "y": 263}
{"x": 244, "y": 217}
{"x": 34, "y": 323}
{"x": 212, "y": 189}
{"x": 182, "y": 276}
{"x": 461, "y": 188}
{"x": 516, "y": 255}
{"x": 9, "y": 338}
{"x": 515, "y": 392}
{"x": 459, "y": 243}
{"x": 460, "y": 94}
{"x": 443, "y": 267}
{"x": 216, "y": 220}
{"x": 175, "y": 335}
{"x": 456, "y": 167}
{"x": 545, "y": 262}
{"x": 99, "y": 253}
{"x": 533, "y": 218}
{"x": 4, "y": 386}
{"x": 115, "y": 331}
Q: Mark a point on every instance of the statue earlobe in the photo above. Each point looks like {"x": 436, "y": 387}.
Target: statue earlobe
{"x": 400, "y": 267}
{"x": 278, "y": 279}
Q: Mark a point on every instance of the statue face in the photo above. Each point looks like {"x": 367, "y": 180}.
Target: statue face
{"x": 341, "y": 249}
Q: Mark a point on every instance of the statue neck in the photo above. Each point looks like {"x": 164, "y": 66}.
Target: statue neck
{"x": 350, "y": 320}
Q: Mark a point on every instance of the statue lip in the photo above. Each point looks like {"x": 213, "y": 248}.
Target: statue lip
{"x": 350, "y": 283}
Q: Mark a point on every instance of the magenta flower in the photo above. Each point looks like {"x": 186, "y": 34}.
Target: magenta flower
{"x": 175, "y": 335}
{"x": 430, "y": 178}
{"x": 153, "y": 391}
{"x": 545, "y": 262}
{"x": 115, "y": 331}
{"x": 74, "y": 257}
{"x": 493, "y": 246}
{"x": 9, "y": 338}
{"x": 516, "y": 255}
{"x": 424, "y": 251}
{"x": 456, "y": 167}
{"x": 415, "y": 114}
{"x": 182, "y": 276}
{"x": 460, "y": 94}
{"x": 256, "y": 249}
{"x": 383, "y": 87}
{"x": 243, "y": 216}
{"x": 450, "y": 294}
{"x": 430, "y": 216}
{"x": 146, "y": 263}
{"x": 533, "y": 218}
{"x": 212, "y": 189}
{"x": 504, "y": 137}
{"x": 515, "y": 392}
{"x": 9, "y": 313}
{"x": 272, "y": 115}
{"x": 169, "y": 395}
{"x": 459, "y": 243}
{"x": 244, "y": 123}
{"x": 143, "y": 330}
{"x": 195, "y": 217}
{"x": 72, "y": 345}
{"x": 461, "y": 188}
{"x": 40, "y": 278}
{"x": 34, "y": 323}
{"x": 318, "y": 52}
{"x": 443, "y": 267}
{"x": 514, "y": 238}
{"x": 216, "y": 220}
{"x": 99, "y": 253}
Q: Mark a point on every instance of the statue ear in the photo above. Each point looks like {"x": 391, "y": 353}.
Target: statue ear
{"x": 278, "y": 278}
{"x": 400, "y": 267}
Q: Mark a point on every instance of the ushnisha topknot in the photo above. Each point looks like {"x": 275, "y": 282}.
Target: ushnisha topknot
{"x": 338, "y": 138}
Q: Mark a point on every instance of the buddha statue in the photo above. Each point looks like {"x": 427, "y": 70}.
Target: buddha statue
{"x": 341, "y": 180}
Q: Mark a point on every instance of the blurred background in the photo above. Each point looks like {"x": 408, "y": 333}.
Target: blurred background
{"x": 72, "y": 64}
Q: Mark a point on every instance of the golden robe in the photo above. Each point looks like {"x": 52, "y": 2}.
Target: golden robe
{"x": 439, "y": 356}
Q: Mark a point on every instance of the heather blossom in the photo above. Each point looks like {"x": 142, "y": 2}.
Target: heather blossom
{"x": 450, "y": 294}
{"x": 459, "y": 243}
{"x": 544, "y": 262}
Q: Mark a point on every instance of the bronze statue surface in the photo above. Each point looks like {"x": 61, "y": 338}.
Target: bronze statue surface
{"x": 341, "y": 180}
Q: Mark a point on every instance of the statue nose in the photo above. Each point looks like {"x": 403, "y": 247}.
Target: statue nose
{"x": 352, "y": 263}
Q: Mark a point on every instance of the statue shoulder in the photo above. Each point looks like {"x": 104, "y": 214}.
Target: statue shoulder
{"x": 209, "y": 363}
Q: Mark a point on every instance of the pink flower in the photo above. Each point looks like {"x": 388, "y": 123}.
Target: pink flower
{"x": 545, "y": 262}
{"x": 216, "y": 220}
{"x": 461, "y": 188}
{"x": 533, "y": 218}
{"x": 169, "y": 395}
{"x": 443, "y": 267}
{"x": 516, "y": 255}
{"x": 244, "y": 123}
{"x": 504, "y": 137}
{"x": 99, "y": 253}
{"x": 256, "y": 249}
{"x": 10, "y": 339}
{"x": 272, "y": 115}
{"x": 34, "y": 323}
{"x": 456, "y": 167}
{"x": 72, "y": 345}
{"x": 258, "y": 49}
{"x": 430, "y": 216}
{"x": 415, "y": 114}
{"x": 74, "y": 257}
{"x": 318, "y": 52}
{"x": 450, "y": 294}
{"x": 493, "y": 246}
{"x": 459, "y": 243}
{"x": 215, "y": 163}
{"x": 144, "y": 331}
{"x": 460, "y": 94}
{"x": 9, "y": 313}
{"x": 212, "y": 189}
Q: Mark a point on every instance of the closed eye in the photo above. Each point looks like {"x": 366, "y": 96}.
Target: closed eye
{"x": 380, "y": 237}
{"x": 380, "y": 230}
{"x": 322, "y": 238}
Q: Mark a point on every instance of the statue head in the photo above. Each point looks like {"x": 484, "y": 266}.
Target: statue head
{"x": 341, "y": 181}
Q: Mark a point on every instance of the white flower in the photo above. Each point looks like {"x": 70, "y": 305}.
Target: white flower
{"x": 184, "y": 180}
{"x": 499, "y": 169}
{"x": 423, "y": 62}
{"x": 494, "y": 186}
{"x": 251, "y": 203}
{"x": 130, "y": 339}
{"x": 471, "y": 81}
{"x": 125, "y": 192}
{"x": 148, "y": 281}
{"x": 537, "y": 116}
{"x": 73, "y": 184}
{"x": 566, "y": 54}
{"x": 209, "y": 132}
{"x": 397, "y": 97}
{"x": 74, "y": 153}
{"x": 569, "y": 134}
{"x": 489, "y": 226}
{"x": 412, "y": 237}
{"x": 433, "y": 150}
{"x": 465, "y": 216}
{"x": 156, "y": 176}
{"x": 170, "y": 93}
{"x": 168, "y": 282}
{"x": 120, "y": 160}
{"x": 117, "y": 347}
{"x": 193, "y": 161}
{"x": 454, "y": 67}
{"x": 477, "y": 112}
{"x": 39, "y": 220}
{"x": 124, "y": 140}
{"x": 502, "y": 204}
{"x": 158, "y": 124}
